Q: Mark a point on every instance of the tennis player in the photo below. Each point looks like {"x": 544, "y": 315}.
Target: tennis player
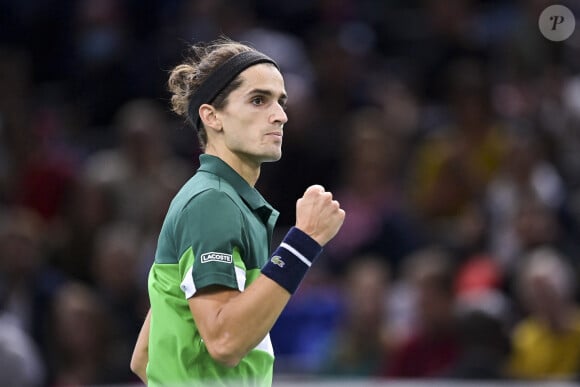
{"x": 214, "y": 288}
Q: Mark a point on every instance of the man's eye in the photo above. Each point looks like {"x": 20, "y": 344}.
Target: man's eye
{"x": 257, "y": 100}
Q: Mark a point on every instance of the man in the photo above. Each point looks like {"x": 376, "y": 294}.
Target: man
{"x": 214, "y": 292}
{"x": 545, "y": 344}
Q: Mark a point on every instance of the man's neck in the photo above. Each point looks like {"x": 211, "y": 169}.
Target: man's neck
{"x": 247, "y": 169}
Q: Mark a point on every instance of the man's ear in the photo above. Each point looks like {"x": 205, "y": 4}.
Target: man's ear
{"x": 208, "y": 116}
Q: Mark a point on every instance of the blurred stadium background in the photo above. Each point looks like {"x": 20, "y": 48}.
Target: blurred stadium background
{"x": 449, "y": 130}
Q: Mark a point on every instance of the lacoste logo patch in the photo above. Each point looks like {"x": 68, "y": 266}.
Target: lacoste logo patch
{"x": 216, "y": 257}
{"x": 277, "y": 260}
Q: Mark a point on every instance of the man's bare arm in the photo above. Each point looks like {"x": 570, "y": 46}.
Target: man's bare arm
{"x": 140, "y": 356}
{"x": 231, "y": 322}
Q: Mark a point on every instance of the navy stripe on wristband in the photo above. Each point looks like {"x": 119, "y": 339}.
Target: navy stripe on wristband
{"x": 292, "y": 259}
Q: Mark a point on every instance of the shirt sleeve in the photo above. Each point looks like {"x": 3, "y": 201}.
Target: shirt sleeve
{"x": 210, "y": 234}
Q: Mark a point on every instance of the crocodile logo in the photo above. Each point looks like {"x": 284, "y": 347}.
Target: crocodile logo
{"x": 277, "y": 260}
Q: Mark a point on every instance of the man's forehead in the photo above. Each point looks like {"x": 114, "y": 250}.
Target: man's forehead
{"x": 263, "y": 76}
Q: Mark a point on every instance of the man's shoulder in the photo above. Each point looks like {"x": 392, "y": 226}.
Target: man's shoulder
{"x": 205, "y": 189}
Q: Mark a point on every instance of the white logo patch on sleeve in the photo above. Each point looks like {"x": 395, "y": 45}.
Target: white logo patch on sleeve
{"x": 216, "y": 257}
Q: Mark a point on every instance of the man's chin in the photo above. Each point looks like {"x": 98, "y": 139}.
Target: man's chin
{"x": 272, "y": 158}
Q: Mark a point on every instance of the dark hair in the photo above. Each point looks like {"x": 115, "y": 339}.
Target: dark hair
{"x": 185, "y": 78}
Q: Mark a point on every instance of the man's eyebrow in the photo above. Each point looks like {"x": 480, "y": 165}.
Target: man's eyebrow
{"x": 267, "y": 93}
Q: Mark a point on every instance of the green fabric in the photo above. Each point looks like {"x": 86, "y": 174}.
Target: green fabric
{"x": 217, "y": 232}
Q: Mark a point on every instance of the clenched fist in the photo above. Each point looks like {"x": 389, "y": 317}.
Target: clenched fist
{"x": 318, "y": 215}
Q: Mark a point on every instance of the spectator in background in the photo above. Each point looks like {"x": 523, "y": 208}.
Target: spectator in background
{"x": 484, "y": 347}
{"x": 29, "y": 283}
{"x": 558, "y": 118}
{"x": 527, "y": 54}
{"x": 89, "y": 208}
{"x": 484, "y": 311}
{"x": 16, "y": 86}
{"x": 361, "y": 342}
{"x": 100, "y": 52}
{"x": 20, "y": 361}
{"x": 453, "y": 165}
{"x": 400, "y": 107}
{"x": 525, "y": 174}
{"x": 433, "y": 346}
{"x": 141, "y": 173}
{"x": 480, "y": 286}
{"x": 46, "y": 170}
{"x": 448, "y": 33}
{"x": 546, "y": 343}
{"x": 370, "y": 191}
{"x": 536, "y": 225}
{"x": 312, "y": 315}
{"x": 81, "y": 340}
{"x": 115, "y": 274}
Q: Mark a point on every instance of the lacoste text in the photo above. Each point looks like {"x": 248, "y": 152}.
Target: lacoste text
{"x": 216, "y": 257}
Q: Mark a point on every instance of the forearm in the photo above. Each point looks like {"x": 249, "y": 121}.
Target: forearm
{"x": 246, "y": 319}
{"x": 140, "y": 356}
{"x": 225, "y": 331}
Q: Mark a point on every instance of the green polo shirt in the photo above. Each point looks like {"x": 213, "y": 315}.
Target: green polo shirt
{"x": 217, "y": 231}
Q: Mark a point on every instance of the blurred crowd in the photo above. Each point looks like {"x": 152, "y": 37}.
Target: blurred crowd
{"x": 448, "y": 130}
